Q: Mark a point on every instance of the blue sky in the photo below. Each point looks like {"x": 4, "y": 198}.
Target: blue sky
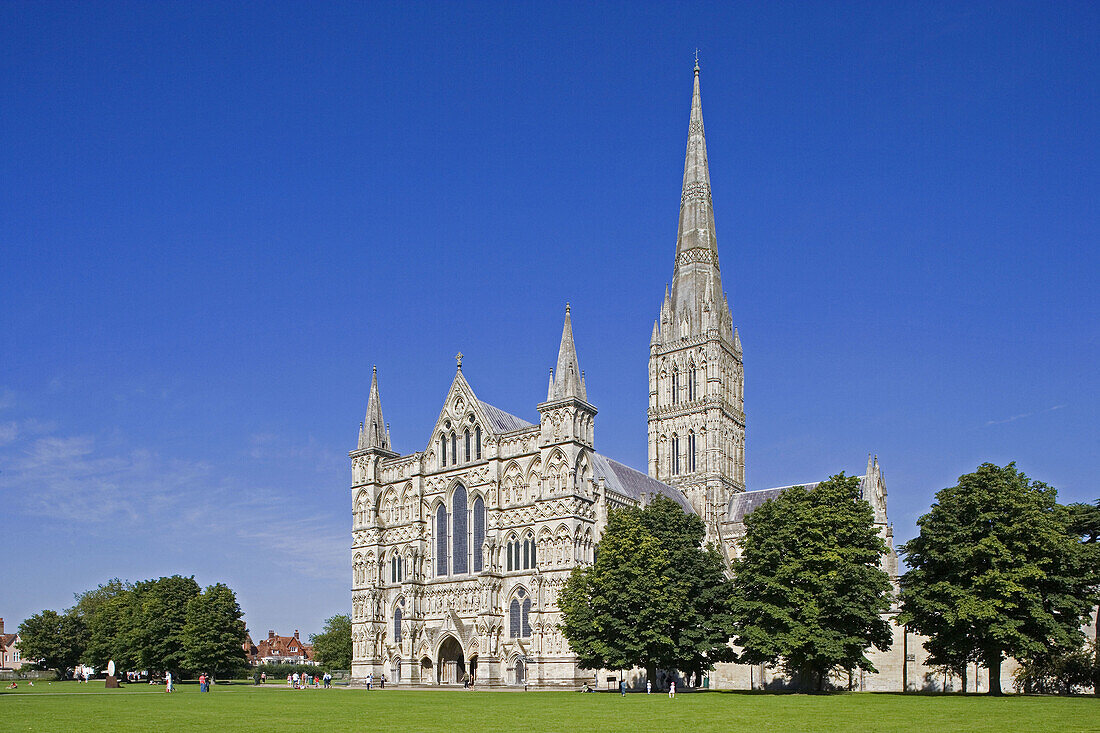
{"x": 214, "y": 218}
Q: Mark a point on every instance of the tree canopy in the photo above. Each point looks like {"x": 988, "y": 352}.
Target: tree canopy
{"x": 809, "y": 592}
{"x": 332, "y": 647}
{"x": 654, "y": 598}
{"x": 214, "y": 636}
{"x": 996, "y": 571}
{"x": 141, "y": 625}
{"x": 52, "y": 640}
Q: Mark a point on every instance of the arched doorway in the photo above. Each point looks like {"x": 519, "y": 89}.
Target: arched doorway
{"x": 426, "y": 671}
{"x": 520, "y": 672}
{"x": 473, "y": 668}
{"x": 395, "y": 670}
{"x": 452, "y": 664}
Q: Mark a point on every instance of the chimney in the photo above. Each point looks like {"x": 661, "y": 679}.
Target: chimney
{"x": 271, "y": 633}
{"x": 295, "y": 633}
{"x": 1, "y": 625}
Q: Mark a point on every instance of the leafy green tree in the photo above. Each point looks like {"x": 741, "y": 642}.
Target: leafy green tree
{"x": 332, "y": 647}
{"x": 654, "y": 598}
{"x": 53, "y": 640}
{"x": 111, "y": 620}
{"x": 996, "y": 572}
{"x": 1084, "y": 522}
{"x": 214, "y": 634}
{"x": 809, "y": 592}
{"x": 161, "y": 614}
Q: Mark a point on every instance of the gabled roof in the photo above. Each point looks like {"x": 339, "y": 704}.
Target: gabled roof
{"x": 501, "y": 421}
{"x": 635, "y": 484}
{"x": 743, "y": 504}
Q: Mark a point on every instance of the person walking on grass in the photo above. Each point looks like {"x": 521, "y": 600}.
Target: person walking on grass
{"x": 648, "y": 687}
{"x": 168, "y": 682}
{"x": 672, "y": 688}
{"x": 622, "y": 687}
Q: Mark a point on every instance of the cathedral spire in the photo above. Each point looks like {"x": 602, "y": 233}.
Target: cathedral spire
{"x": 567, "y": 376}
{"x": 374, "y": 433}
{"x": 696, "y": 270}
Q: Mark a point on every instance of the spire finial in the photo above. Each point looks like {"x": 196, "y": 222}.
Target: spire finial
{"x": 696, "y": 61}
{"x": 458, "y": 360}
{"x": 567, "y": 307}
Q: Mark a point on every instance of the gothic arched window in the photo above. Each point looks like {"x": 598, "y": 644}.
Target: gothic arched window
{"x": 477, "y": 440}
{"x": 461, "y": 555}
{"x": 675, "y": 386}
{"x": 691, "y": 452}
{"x": 454, "y": 448}
{"x": 442, "y": 451}
{"x": 691, "y": 383}
{"x": 397, "y": 623}
{"x": 441, "y": 540}
{"x": 479, "y": 532}
{"x": 467, "y": 445}
{"x": 519, "y": 611}
{"x": 675, "y": 456}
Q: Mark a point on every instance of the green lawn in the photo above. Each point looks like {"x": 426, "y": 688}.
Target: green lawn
{"x": 68, "y": 706}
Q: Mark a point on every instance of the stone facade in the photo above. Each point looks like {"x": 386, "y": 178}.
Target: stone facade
{"x": 460, "y": 549}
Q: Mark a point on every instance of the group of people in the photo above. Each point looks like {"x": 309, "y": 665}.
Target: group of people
{"x": 381, "y": 681}
{"x": 305, "y": 681}
{"x": 648, "y": 688}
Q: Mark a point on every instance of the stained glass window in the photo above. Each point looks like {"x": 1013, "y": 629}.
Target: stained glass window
{"x": 461, "y": 561}
{"x": 441, "y": 540}
{"x": 514, "y": 626}
{"x": 479, "y": 532}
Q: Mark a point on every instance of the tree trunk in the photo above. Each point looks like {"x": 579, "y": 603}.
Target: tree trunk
{"x": 964, "y": 676}
{"x": 995, "y": 673}
{"x": 651, "y": 674}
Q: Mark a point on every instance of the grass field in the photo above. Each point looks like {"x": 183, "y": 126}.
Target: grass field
{"x": 68, "y": 706}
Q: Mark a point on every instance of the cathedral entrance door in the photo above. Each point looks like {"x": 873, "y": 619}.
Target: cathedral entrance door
{"x": 451, "y": 662}
{"x": 473, "y": 668}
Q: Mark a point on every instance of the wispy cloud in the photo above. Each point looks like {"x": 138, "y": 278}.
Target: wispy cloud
{"x": 1014, "y": 418}
{"x": 105, "y": 487}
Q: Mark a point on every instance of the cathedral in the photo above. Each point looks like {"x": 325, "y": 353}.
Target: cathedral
{"x": 460, "y": 549}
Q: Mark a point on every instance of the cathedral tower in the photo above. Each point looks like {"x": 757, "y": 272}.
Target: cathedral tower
{"x": 696, "y": 377}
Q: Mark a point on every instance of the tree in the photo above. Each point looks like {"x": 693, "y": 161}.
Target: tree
{"x": 1084, "y": 522}
{"x": 53, "y": 640}
{"x": 654, "y": 598}
{"x": 809, "y": 592}
{"x": 332, "y": 647}
{"x": 996, "y": 572}
{"x": 161, "y": 614}
{"x": 110, "y": 613}
{"x": 214, "y": 634}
